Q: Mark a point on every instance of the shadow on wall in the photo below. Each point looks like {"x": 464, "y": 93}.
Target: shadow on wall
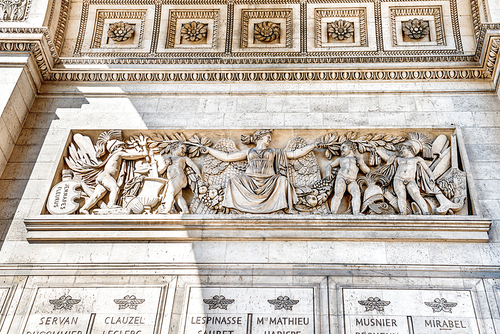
{"x": 29, "y": 165}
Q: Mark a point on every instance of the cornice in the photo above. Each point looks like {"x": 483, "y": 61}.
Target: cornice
{"x": 480, "y": 66}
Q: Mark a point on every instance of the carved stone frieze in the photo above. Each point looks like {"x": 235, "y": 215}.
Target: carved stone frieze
{"x": 14, "y": 10}
{"x": 356, "y": 174}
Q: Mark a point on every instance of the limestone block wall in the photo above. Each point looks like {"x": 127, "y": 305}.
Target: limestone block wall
{"x": 59, "y": 108}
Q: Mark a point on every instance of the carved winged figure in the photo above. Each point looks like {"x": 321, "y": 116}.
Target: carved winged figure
{"x": 411, "y": 174}
{"x": 265, "y": 186}
{"x": 101, "y": 176}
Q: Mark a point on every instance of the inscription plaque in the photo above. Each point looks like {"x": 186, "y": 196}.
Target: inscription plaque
{"x": 94, "y": 311}
{"x": 392, "y": 311}
{"x": 262, "y": 310}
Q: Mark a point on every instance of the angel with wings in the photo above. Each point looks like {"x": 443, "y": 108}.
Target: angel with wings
{"x": 265, "y": 186}
{"x": 102, "y": 176}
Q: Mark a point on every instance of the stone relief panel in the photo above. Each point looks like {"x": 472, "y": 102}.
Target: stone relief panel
{"x": 266, "y": 28}
{"x": 189, "y": 30}
{"x": 409, "y": 311}
{"x": 328, "y": 173}
{"x": 14, "y": 10}
{"x": 108, "y": 30}
{"x": 341, "y": 27}
{"x": 119, "y": 29}
{"x": 424, "y": 27}
{"x": 417, "y": 26}
{"x": 193, "y": 29}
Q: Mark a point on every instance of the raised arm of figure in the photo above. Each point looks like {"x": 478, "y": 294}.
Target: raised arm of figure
{"x": 300, "y": 152}
{"x": 228, "y": 157}
{"x": 362, "y": 164}
{"x": 381, "y": 152}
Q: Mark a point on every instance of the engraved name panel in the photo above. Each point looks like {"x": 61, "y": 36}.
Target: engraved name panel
{"x": 94, "y": 311}
{"x": 393, "y": 311}
{"x": 260, "y": 310}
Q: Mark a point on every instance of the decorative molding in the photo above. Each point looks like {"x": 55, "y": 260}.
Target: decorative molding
{"x": 270, "y": 75}
{"x": 61, "y": 24}
{"x": 492, "y": 60}
{"x": 175, "y": 15}
{"x": 14, "y": 10}
{"x": 360, "y": 13}
{"x": 102, "y": 15}
{"x": 434, "y": 11}
{"x": 266, "y": 15}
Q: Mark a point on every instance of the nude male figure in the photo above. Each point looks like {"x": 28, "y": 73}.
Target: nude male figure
{"x": 175, "y": 166}
{"x": 405, "y": 177}
{"x": 350, "y": 164}
{"x": 106, "y": 180}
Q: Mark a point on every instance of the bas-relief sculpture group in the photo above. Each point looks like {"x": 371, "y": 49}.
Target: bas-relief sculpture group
{"x": 365, "y": 174}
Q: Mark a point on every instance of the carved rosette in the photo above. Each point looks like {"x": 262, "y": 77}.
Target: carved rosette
{"x": 416, "y": 28}
{"x": 267, "y": 31}
{"x": 340, "y": 30}
{"x": 194, "y": 31}
{"x": 120, "y": 31}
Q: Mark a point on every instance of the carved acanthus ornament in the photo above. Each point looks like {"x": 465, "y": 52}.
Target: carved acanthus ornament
{"x": 364, "y": 174}
{"x": 340, "y": 30}
{"x": 416, "y": 28}
{"x": 120, "y": 31}
{"x": 267, "y": 31}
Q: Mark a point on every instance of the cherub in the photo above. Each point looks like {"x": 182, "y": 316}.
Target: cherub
{"x": 175, "y": 166}
{"x": 408, "y": 167}
{"x": 350, "y": 163}
{"x": 106, "y": 181}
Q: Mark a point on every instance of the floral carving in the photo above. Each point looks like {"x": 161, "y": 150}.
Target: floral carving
{"x": 267, "y": 31}
{"x": 120, "y": 31}
{"x": 194, "y": 31}
{"x": 416, "y": 28}
{"x": 340, "y": 30}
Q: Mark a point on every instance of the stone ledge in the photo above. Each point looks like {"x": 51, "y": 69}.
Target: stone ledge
{"x": 185, "y": 228}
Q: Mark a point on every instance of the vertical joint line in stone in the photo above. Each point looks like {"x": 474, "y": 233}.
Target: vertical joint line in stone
{"x": 378, "y": 25}
{"x": 161, "y": 310}
{"x": 410, "y": 324}
{"x": 91, "y": 323}
{"x": 303, "y": 27}
{"x": 249, "y": 323}
{"x": 229, "y": 31}
{"x": 156, "y": 28}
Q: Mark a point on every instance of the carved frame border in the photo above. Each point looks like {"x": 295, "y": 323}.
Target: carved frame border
{"x": 175, "y": 14}
{"x": 247, "y": 14}
{"x": 103, "y": 14}
{"x": 435, "y": 11}
{"x": 320, "y": 13}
